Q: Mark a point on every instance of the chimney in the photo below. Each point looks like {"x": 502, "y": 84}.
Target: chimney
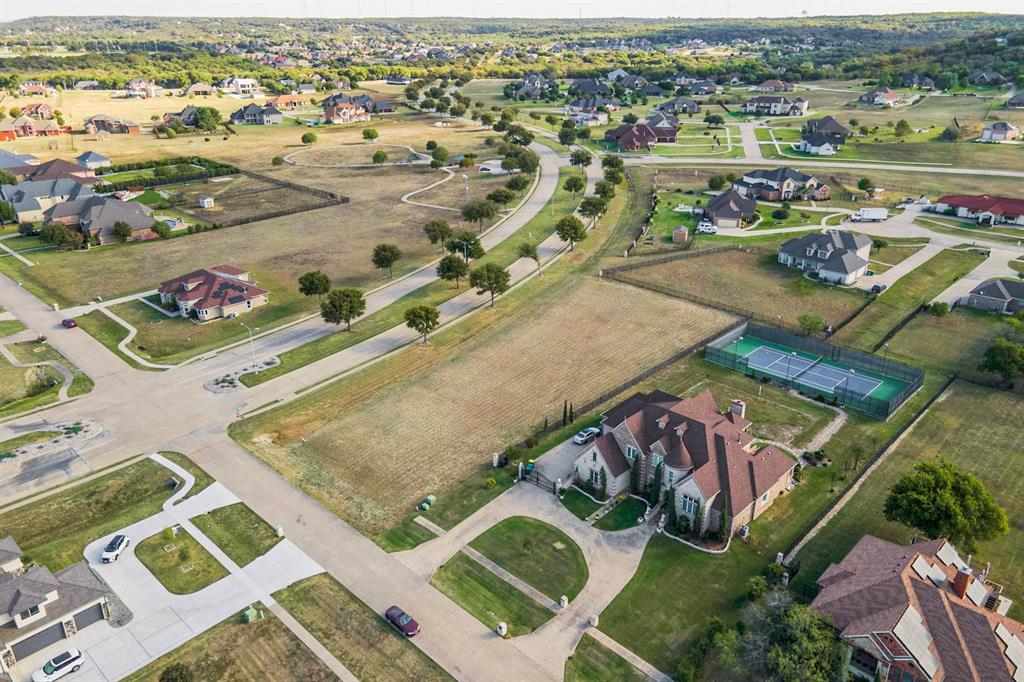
{"x": 662, "y": 421}
{"x": 962, "y": 581}
{"x": 739, "y": 408}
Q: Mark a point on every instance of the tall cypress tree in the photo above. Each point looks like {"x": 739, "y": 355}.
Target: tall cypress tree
{"x": 723, "y": 517}
{"x": 565, "y": 413}
{"x": 672, "y": 518}
{"x": 634, "y": 476}
{"x": 602, "y": 484}
{"x": 655, "y": 491}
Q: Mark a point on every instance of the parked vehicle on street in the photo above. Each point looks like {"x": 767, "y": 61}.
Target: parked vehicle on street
{"x": 69, "y": 323}
{"x": 117, "y": 544}
{"x": 878, "y": 288}
{"x": 586, "y": 435}
{"x": 870, "y": 215}
{"x": 59, "y": 666}
{"x": 402, "y": 621}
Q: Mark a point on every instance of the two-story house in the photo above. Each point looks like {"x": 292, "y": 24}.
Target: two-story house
{"x": 780, "y": 184}
{"x": 222, "y": 291}
{"x": 775, "y": 105}
{"x": 836, "y": 256}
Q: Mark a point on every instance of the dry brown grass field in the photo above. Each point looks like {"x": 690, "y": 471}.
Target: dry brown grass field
{"x": 243, "y": 198}
{"x": 375, "y": 444}
{"x": 751, "y": 281}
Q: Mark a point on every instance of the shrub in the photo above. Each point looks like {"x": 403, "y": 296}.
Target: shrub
{"x": 939, "y": 308}
{"x": 879, "y": 243}
{"x": 780, "y": 213}
{"x": 308, "y": 138}
{"x": 757, "y": 586}
{"x": 490, "y": 483}
{"x": 277, "y": 161}
{"x": 176, "y": 672}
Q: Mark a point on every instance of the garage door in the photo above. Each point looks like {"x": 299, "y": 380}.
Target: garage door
{"x": 52, "y": 634}
{"x": 89, "y": 616}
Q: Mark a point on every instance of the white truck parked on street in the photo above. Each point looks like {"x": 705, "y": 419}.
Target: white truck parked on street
{"x": 865, "y": 215}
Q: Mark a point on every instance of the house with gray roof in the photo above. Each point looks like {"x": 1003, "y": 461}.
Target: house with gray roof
{"x": 32, "y": 198}
{"x": 680, "y": 105}
{"x": 13, "y": 160}
{"x": 836, "y": 256}
{"x": 96, "y": 217}
{"x": 730, "y": 209}
{"x": 93, "y": 160}
{"x": 39, "y": 608}
{"x": 254, "y": 114}
{"x": 998, "y": 295}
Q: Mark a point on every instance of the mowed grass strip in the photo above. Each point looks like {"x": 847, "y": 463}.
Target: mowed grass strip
{"x": 579, "y": 504}
{"x": 537, "y": 553}
{"x": 751, "y": 281}
{"x": 915, "y": 288}
{"x": 109, "y": 333}
{"x": 40, "y": 351}
{"x": 925, "y": 342}
{"x": 374, "y": 445}
{"x": 361, "y": 639}
{"x": 487, "y": 597}
{"x": 594, "y": 662}
{"x": 242, "y": 652}
{"x": 180, "y": 563}
{"x": 238, "y": 531}
{"x": 55, "y": 530}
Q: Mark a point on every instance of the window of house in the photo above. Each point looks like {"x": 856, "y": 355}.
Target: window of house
{"x": 248, "y": 304}
{"x": 593, "y": 456}
{"x": 631, "y": 452}
{"x": 656, "y": 460}
{"x": 31, "y": 611}
{"x": 764, "y": 498}
{"x": 688, "y": 505}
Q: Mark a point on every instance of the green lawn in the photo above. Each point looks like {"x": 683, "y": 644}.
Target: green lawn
{"x": 238, "y": 531}
{"x": 537, "y": 553}
{"x": 107, "y": 332}
{"x": 487, "y": 597}
{"x": 623, "y": 515}
{"x": 594, "y": 662}
{"x": 180, "y": 563}
{"x": 242, "y": 652}
{"x": 36, "y": 351}
{"x": 8, "y": 327}
{"x": 915, "y": 288}
{"x": 976, "y": 428}
{"x": 925, "y": 342}
{"x": 26, "y": 439}
{"x": 579, "y": 504}
{"x": 25, "y": 388}
{"x": 361, "y": 639}
{"x": 138, "y": 174}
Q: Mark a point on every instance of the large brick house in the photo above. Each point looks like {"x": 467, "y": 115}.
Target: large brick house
{"x": 39, "y": 608}
{"x": 707, "y": 457}
{"x": 254, "y": 114}
{"x": 96, "y": 217}
{"x": 781, "y": 184}
{"x": 775, "y": 105}
{"x": 983, "y": 208}
{"x": 632, "y": 137}
{"x": 111, "y": 125}
{"x": 221, "y": 291}
{"x": 919, "y": 612}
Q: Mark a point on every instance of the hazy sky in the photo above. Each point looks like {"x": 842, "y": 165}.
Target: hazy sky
{"x": 11, "y": 9}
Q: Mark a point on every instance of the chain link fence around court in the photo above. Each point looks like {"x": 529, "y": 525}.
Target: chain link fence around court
{"x": 897, "y": 381}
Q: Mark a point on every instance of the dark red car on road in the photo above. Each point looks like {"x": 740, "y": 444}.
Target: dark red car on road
{"x": 402, "y": 621}
{"x": 69, "y": 323}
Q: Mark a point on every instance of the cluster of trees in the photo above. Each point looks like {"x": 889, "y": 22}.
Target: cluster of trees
{"x": 1005, "y": 355}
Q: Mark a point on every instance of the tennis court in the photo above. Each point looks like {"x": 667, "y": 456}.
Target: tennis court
{"x": 815, "y": 373}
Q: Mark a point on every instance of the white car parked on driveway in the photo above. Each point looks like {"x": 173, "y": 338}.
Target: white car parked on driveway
{"x": 59, "y": 666}
{"x": 586, "y": 435}
{"x": 114, "y": 548}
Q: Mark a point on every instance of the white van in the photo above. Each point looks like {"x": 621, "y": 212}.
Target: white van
{"x": 705, "y": 227}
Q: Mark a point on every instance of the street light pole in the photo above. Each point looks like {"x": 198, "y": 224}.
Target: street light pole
{"x": 465, "y": 181}
{"x": 252, "y": 346}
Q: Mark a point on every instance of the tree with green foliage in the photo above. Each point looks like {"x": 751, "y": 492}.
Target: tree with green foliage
{"x": 943, "y": 501}
{"x": 343, "y": 305}
{"x": 614, "y": 176}
{"x": 902, "y": 128}
{"x": 757, "y": 587}
{"x": 314, "y": 283}
{"x": 437, "y": 231}
{"x": 423, "y": 318}
{"x": 810, "y": 324}
{"x": 490, "y": 278}
{"x": 308, "y": 138}
{"x": 570, "y": 229}
{"x": 7, "y": 179}
{"x": 654, "y": 494}
{"x": 528, "y": 250}
{"x": 782, "y": 641}
{"x": 716, "y": 183}
{"x": 465, "y": 243}
{"x": 593, "y": 207}
{"x": 567, "y": 135}
{"x": 951, "y": 133}
{"x": 581, "y": 158}
{"x": 452, "y": 268}
{"x": 671, "y": 513}
{"x": 713, "y": 120}
{"x": 602, "y": 484}
{"x": 517, "y": 183}
{"x": 122, "y": 230}
{"x": 379, "y": 157}
{"x": 370, "y": 134}
{"x": 176, "y": 672}
{"x": 207, "y": 119}
{"x": 7, "y": 213}
{"x": 1004, "y": 357}
{"x": 479, "y": 211}
{"x": 501, "y": 196}
{"x": 574, "y": 184}
{"x": 604, "y": 189}
{"x": 385, "y": 256}
{"x": 864, "y": 184}
{"x": 635, "y": 475}
{"x": 565, "y": 413}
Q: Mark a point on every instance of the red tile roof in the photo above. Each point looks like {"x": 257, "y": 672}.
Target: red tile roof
{"x": 1004, "y": 206}
{"x": 212, "y": 288}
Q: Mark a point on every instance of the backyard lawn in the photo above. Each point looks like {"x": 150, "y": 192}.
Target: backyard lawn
{"x": 594, "y": 662}
{"x": 925, "y": 342}
{"x": 242, "y": 652}
{"x": 179, "y": 562}
{"x": 487, "y": 597}
{"x": 361, "y": 639}
{"x": 238, "y": 531}
{"x": 894, "y": 252}
{"x": 915, "y": 288}
{"x": 537, "y": 553}
{"x": 623, "y": 515}
{"x": 979, "y": 430}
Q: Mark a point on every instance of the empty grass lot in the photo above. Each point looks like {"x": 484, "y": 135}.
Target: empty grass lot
{"x": 37, "y": 351}
{"x": 358, "y": 637}
{"x": 238, "y": 531}
{"x": 753, "y": 281}
{"x": 487, "y": 597}
{"x": 594, "y": 662}
{"x": 180, "y": 563}
{"x": 367, "y": 466}
{"x": 537, "y": 553}
{"x": 242, "y": 652}
{"x": 915, "y": 288}
{"x": 979, "y": 430}
{"x": 623, "y": 515}
{"x": 925, "y": 342}
{"x": 55, "y": 530}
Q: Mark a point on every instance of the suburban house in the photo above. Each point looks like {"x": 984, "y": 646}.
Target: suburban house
{"x": 984, "y": 209}
{"x": 634, "y": 82}
{"x": 653, "y": 90}
{"x": 14, "y": 160}
{"x": 998, "y": 295}
{"x": 680, "y": 105}
{"x": 143, "y": 88}
{"x": 26, "y": 126}
{"x": 92, "y": 160}
{"x": 287, "y": 101}
{"x": 199, "y": 89}
{"x": 588, "y": 87}
{"x": 365, "y": 102}
{"x": 986, "y": 78}
{"x": 775, "y": 85}
{"x": 772, "y": 105}
{"x": 821, "y": 144}
{"x": 337, "y": 111}
{"x": 55, "y": 169}
{"x": 617, "y": 75}
{"x": 86, "y": 85}
{"x": 828, "y": 125}
{"x": 38, "y": 110}
{"x": 96, "y": 216}
{"x": 535, "y": 86}
{"x": 880, "y": 97}
{"x": 31, "y": 199}
{"x": 306, "y": 89}
{"x": 780, "y": 184}
{"x": 222, "y": 291}
{"x": 837, "y": 256}
{"x": 36, "y": 88}
{"x": 254, "y": 114}
{"x": 631, "y": 137}
{"x": 683, "y": 78}
{"x": 664, "y": 126}
{"x": 704, "y": 88}
{"x": 913, "y": 80}
{"x": 919, "y": 612}
{"x": 1016, "y": 102}
{"x": 1000, "y": 131}
{"x": 39, "y": 608}
{"x": 707, "y": 457}
{"x": 245, "y": 87}
{"x": 187, "y": 116}
{"x": 111, "y": 125}
{"x": 730, "y": 209}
